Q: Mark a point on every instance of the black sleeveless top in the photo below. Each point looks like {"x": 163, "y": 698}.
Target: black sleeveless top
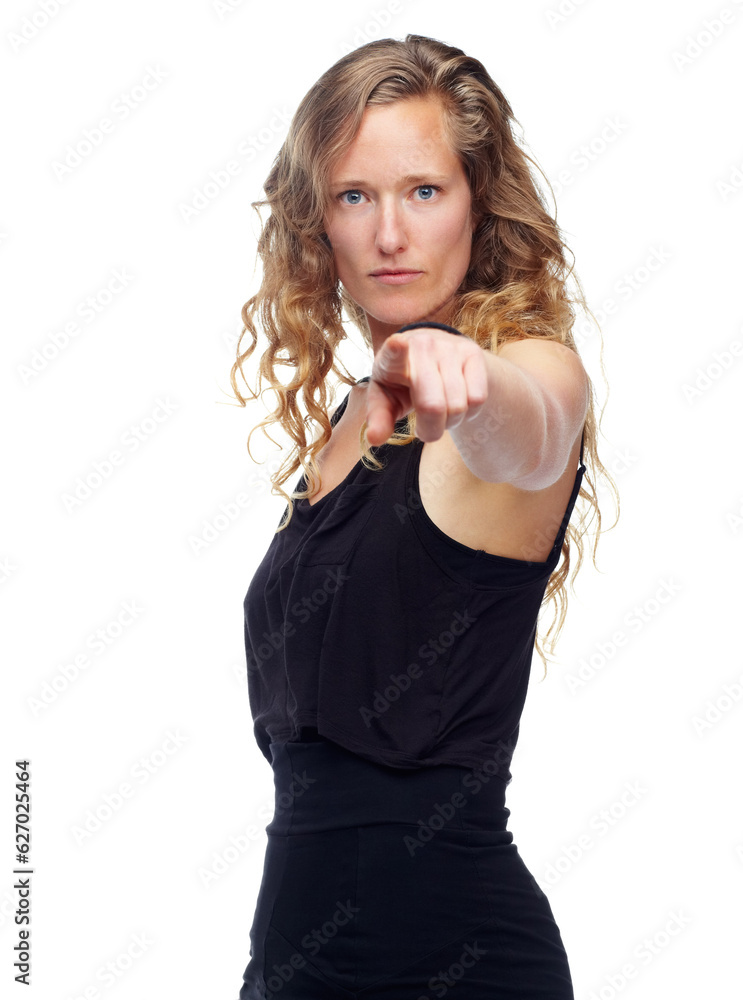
{"x": 365, "y": 624}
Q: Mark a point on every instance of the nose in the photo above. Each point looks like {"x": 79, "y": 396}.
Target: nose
{"x": 391, "y": 235}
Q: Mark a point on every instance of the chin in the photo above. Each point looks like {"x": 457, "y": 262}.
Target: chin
{"x": 393, "y": 322}
{"x": 401, "y": 313}
{"x": 395, "y": 311}
{"x": 415, "y": 314}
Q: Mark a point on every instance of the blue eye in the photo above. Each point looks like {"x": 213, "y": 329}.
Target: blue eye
{"x": 429, "y": 188}
{"x": 352, "y": 194}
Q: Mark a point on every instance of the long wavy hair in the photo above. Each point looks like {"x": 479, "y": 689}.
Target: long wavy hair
{"x": 516, "y": 285}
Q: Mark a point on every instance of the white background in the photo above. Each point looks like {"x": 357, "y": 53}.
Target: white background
{"x": 163, "y": 708}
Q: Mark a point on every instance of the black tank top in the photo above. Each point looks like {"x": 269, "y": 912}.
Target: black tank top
{"x": 365, "y": 624}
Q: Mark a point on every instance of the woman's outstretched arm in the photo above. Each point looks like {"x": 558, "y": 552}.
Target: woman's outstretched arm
{"x": 514, "y": 416}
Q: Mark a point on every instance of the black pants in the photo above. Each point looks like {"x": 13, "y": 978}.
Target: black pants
{"x": 382, "y": 883}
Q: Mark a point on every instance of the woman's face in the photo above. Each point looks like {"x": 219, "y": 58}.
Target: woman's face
{"x": 400, "y": 221}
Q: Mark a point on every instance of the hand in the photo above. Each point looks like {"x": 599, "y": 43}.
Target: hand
{"x": 441, "y": 376}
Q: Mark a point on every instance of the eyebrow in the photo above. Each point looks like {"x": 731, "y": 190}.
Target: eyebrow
{"x": 408, "y": 179}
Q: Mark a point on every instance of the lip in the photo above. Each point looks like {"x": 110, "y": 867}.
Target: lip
{"x": 395, "y": 276}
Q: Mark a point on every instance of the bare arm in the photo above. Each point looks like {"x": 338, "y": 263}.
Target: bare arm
{"x": 514, "y": 416}
{"x": 537, "y": 399}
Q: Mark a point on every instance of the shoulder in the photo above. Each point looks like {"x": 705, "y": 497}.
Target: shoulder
{"x": 557, "y": 366}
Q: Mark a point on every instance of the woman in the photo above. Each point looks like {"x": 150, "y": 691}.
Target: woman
{"x": 390, "y": 627}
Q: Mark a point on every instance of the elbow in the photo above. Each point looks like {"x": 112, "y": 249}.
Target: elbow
{"x": 560, "y": 425}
